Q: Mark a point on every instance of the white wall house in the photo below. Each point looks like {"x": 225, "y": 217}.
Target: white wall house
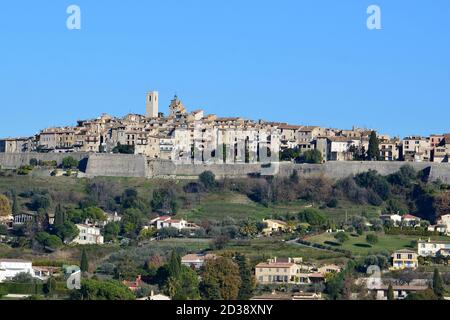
{"x": 168, "y": 222}
{"x": 445, "y": 220}
{"x": 9, "y": 268}
{"x": 196, "y": 260}
{"x": 88, "y": 235}
{"x": 429, "y": 248}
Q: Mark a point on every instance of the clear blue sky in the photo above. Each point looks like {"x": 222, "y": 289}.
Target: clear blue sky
{"x": 303, "y": 62}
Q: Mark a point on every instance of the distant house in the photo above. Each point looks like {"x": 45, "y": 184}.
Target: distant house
{"x": 88, "y": 235}
{"x": 445, "y": 221}
{"x": 110, "y": 217}
{"x": 288, "y": 270}
{"x": 168, "y": 222}
{"x": 440, "y": 228}
{"x": 298, "y": 296}
{"x": 395, "y": 218}
{"x": 274, "y": 226}
{"x": 9, "y": 268}
{"x": 400, "y": 291}
{"x": 195, "y": 260}
{"x": 332, "y": 268}
{"x": 410, "y": 220}
{"x": 155, "y": 297}
{"x": 44, "y": 272}
{"x": 429, "y": 248}
{"x": 24, "y": 217}
{"x": 134, "y": 285}
{"x": 404, "y": 259}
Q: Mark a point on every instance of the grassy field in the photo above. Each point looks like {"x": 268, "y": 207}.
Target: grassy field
{"x": 191, "y": 245}
{"x": 347, "y": 208}
{"x": 219, "y": 206}
{"x": 358, "y": 245}
{"x": 257, "y": 249}
{"x": 262, "y": 249}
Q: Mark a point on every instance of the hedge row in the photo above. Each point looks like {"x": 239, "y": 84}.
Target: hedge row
{"x": 32, "y": 288}
{"x": 22, "y": 288}
{"x": 347, "y": 253}
{"x": 409, "y": 232}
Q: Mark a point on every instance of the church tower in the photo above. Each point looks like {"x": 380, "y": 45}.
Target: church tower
{"x": 152, "y": 104}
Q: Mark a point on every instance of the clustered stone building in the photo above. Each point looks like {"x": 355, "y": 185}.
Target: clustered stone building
{"x": 196, "y": 136}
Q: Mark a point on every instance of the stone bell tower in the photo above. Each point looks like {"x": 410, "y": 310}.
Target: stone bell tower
{"x": 152, "y": 104}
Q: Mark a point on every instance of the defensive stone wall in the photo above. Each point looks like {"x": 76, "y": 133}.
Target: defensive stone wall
{"x": 116, "y": 165}
{"x": 16, "y": 160}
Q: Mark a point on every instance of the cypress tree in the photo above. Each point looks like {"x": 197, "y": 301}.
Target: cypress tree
{"x": 374, "y": 147}
{"x": 438, "y": 286}
{"x": 59, "y": 216}
{"x": 15, "y": 204}
{"x": 390, "y": 293}
{"x": 245, "y": 271}
{"x": 174, "y": 265}
{"x": 84, "y": 263}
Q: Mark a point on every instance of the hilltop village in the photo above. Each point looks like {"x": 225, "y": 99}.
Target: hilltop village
{"x": 207, "y": 234}
{"x": 207, "y": 138}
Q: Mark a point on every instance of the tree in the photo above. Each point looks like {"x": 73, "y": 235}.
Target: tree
{"x": 5, "y": 206}
{"x": 84, "y": 263}
{"x": 69, "y": 163}
{"x": 390, "y": 293}
{"x": 47, "y": 240}
{"x": 438, "y": 286}
{"x": 341, "y": 237}
{"x": 60, "y": 217}
{"x": 174, "y": 265}
{"x": 288, "y": 155}
{"x": 219, "y": 242}
{"x": 15, "y": 203}
{"x": 164, "y": 199}
{"x": 371, "y": 239}
{"x": 427, "y": 294}
{"x": 50, "y": 286}
{"x": 94, "y": 214}
{"x": 247, "y": 279}
{"x": 123, "y": 149}
{"x": 3, "y": 292}
{"x": 208, "y": 179}
{"x": 66, "y": 231}
{"x": 189, "y": 285}
{"x": 334, "y": 286}
{"x": 374, "y": 147}
{"x": 41, "y": 202}
{"x": 312, "y": 216}
{"x": 311, "y": 156}
{"x": 220, "y": 279}
{"x": 111, "y": 231}
{"x": 104, "y": 290}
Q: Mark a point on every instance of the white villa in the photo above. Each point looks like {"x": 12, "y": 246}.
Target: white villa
{"x": 9, "y": 268}
{"x": 196, "y": 260}
{"x": 168, "y": 222}
{"x": 429, "y": 248}
{"x": 88, "y": 235}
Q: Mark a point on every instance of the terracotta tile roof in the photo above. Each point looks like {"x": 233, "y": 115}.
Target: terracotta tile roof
{"x": 275, "y": 265}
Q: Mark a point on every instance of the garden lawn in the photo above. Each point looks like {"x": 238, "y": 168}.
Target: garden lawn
{"x": 358, "y": 245}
